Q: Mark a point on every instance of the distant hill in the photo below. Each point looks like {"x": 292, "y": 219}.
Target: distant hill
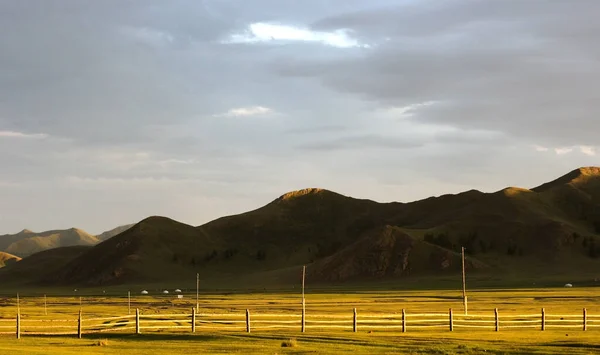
{"x": 7, "y": 259}
{"x": 111, "y": 233}
{"x": 26, "y": 242}
{"x": 548, "y": 230}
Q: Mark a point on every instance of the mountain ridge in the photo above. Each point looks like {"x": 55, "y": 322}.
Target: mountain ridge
{"x": 27, "y": 242}
{"x": 548, "y": 229}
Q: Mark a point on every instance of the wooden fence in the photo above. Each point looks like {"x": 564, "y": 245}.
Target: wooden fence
{"x": 352, "y": 322}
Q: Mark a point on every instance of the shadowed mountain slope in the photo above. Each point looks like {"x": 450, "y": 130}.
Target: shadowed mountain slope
{"x": 554, "y": 227}
{"x": 32, "y": 269}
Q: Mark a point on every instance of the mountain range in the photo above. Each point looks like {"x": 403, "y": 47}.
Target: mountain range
{"x": 26, "y": 242}
{"x": 550, "y": 230}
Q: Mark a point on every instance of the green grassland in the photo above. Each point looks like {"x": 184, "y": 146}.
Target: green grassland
{"x": 318, "y": 341}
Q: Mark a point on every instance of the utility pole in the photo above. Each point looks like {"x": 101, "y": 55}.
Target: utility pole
{"x": 464, "y": 284}
{"x": 128, "y": 302}
{"x": 303, "y": 300}
{"x": 197, "y": 292}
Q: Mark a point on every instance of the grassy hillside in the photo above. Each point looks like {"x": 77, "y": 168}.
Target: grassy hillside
{"x": 7, "y": 259}
{"x": 549, "y": 230}
{"x": 32, "y": 269}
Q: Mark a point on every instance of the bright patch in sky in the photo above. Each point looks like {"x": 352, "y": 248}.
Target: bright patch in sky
{"x": 248, "y": 111}
{"x": 583, "y": 149}
{"x": 587, "y": 150}
{"x": 12, "y": 134}
{"x": 562, "y": 151}
{"x": 265, "y": 32}
{"x": 409, "y": 110}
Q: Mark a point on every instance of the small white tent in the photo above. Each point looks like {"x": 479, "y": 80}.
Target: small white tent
{"x": 177, "y": 291}
{"x": 568, "y": 285}
{"x": 165, "y": 292}
{"x": 144, "y": 292}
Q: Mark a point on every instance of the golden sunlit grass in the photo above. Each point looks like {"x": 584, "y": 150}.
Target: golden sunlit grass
{"x": 6, "y": 258}
{"x": 316, "y": 340}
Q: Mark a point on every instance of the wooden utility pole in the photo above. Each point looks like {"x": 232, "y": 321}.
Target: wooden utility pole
{"x": 197, "y": 291}
{"x": 464, "y": 283}
{"x": 128, "y": 302}
{"x": 303, "y": 300}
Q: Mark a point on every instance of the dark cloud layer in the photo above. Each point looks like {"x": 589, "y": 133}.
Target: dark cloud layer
{"x": 114, "y": 110}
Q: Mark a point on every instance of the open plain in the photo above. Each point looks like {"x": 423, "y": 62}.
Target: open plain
{"x": 563, "y": 332}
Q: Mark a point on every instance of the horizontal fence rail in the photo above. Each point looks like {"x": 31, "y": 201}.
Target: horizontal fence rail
{"x": 403, "y": 321}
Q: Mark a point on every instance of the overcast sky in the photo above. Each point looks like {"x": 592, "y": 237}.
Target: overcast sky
{"x": 111, "y": 111}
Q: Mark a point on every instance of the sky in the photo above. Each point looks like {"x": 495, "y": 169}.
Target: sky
{"x": 112, "y": 111}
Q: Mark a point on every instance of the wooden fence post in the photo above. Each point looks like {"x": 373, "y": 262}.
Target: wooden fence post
{"x": 19, "y": 325}
{"x": 543, "y": 319}
{"x": 303, "y": 315}
{"x": 248, "y": 321}
{"x": 137, "y": 321}
{"x": 584, "y": 319}
{"x": 497, "y": 319}
{"x": 193, "y": 320}
{"x": 450, "y": 319}
{"x": 354, "y": 321}
{"x": 79, "y": 325}
{"x": 403, "y": 321}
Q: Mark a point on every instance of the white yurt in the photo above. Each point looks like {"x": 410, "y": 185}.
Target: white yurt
{"x": 144, "y": 292}
{"x": 166, "y": 292}
{"x": 568, "y": 285}
{"x": 177, "y": 291}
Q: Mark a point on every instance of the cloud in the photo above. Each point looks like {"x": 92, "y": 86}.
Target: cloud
{"x": 562, "y": 151}
{"x": 409, "y": 110}
{"x": 487, "y": 66}
{"x": 587, "y": 150}
{"x": 268, "y": 32}
{"x": 13, "y": 134}
{"x": 248, "y": 111}
{"x": 148, "y": 36}
{"x": 372, "y": 99}
{"x": 583, "y": 149}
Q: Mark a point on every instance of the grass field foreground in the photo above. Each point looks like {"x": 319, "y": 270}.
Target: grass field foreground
{"x": 318, "y": 341}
